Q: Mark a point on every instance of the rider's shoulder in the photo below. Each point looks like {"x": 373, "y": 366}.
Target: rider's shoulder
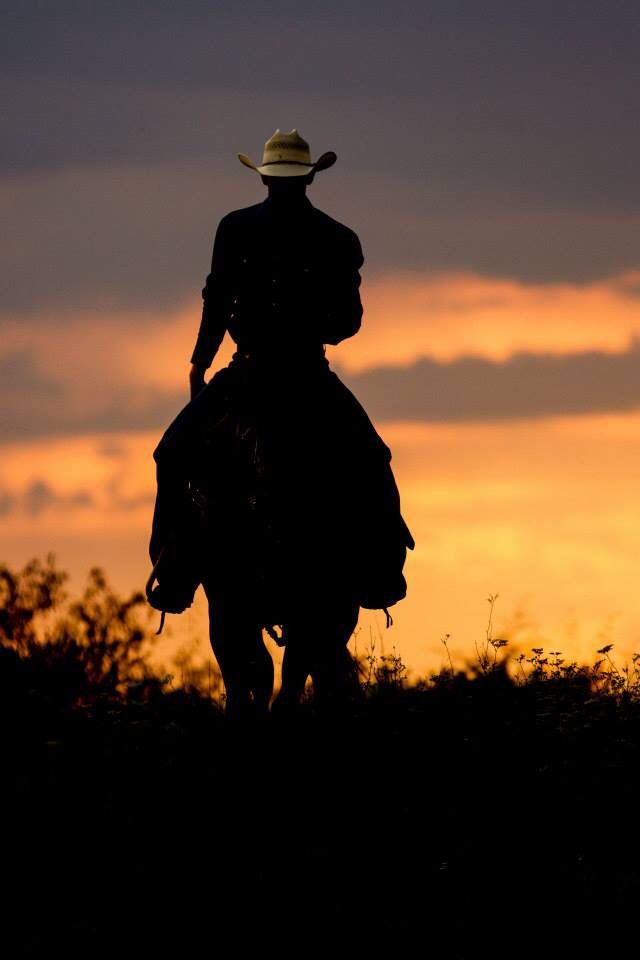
{"x": 335, "y": 226}
{"x": 341, "y": 236}
{"x": 238, "y": 222}
{"x": 243, "y": 215}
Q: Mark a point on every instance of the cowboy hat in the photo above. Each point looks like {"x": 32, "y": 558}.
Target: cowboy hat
{"x": 287, "y": 155}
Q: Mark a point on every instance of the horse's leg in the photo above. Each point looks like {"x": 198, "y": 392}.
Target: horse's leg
{"x": 296, "y": 668}
{"x": 333, "y": 669}
{"x": 244, "y": 661}
{"x": 317, "y": 646}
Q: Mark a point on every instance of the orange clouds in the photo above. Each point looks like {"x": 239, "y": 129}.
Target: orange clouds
{"x": 408, "y": 315}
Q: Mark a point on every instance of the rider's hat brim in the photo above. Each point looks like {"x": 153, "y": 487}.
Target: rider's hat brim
{"x": 285, "y": 169}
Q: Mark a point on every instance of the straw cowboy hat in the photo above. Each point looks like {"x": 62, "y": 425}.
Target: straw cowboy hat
{"x": 287, "y": 155}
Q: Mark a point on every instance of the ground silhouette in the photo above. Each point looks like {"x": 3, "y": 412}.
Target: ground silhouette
{"x": 470, "y": 810}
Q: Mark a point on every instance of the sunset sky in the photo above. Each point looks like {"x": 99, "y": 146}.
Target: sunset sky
{"x": 488, "y": 159}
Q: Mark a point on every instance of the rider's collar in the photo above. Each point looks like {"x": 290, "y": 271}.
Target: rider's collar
{"x": 299, "y": 205}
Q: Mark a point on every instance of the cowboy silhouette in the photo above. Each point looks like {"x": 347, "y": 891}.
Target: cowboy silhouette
{"x": 274, "y": 490}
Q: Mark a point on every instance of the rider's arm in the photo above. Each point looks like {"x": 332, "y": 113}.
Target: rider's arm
{"x": 343, "y": 314}
{"x": 213, "y": 322}
{"x": 196, "y": 379}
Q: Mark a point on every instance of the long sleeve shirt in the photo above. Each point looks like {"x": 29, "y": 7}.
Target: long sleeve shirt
{"x": 282, "y": 281}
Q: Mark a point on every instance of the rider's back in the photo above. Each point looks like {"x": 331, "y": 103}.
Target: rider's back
{"x": 283, "y": 282}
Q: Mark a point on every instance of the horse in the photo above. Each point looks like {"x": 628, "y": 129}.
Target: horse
{"x": 287, "y": 479}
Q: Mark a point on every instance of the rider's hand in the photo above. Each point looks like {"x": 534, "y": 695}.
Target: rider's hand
{"x": 196, "y": 380}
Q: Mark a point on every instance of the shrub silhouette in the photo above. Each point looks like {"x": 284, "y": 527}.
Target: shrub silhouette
{"x": 26, "y": 596}
{"x": 97, "y": 647}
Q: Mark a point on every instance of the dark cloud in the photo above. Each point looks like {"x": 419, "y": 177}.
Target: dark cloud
{"x": 105, "y": 240}
{"x": 66, "y": 419}
{"x": 19, "y": 372}
{"x": 29, "y": 399}
{"x": 472, "y": 388}
{"x": 119, "y": 239}
{"x": 496, "y": 137}
{"x": 38, "y": 497}
{"x": 113, "y": 450}
{"x": 124, "y": 501}
{"x": 469, "y": 388}
{"x": 35, "y": 406}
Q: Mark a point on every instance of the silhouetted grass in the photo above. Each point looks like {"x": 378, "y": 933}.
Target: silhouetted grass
{"x": 490, "y": 808}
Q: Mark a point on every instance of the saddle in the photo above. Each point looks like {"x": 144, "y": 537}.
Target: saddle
{"x": 288, "y": 502}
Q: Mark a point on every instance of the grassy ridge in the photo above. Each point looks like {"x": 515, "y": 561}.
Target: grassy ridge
{"x": 485, "y": 809}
